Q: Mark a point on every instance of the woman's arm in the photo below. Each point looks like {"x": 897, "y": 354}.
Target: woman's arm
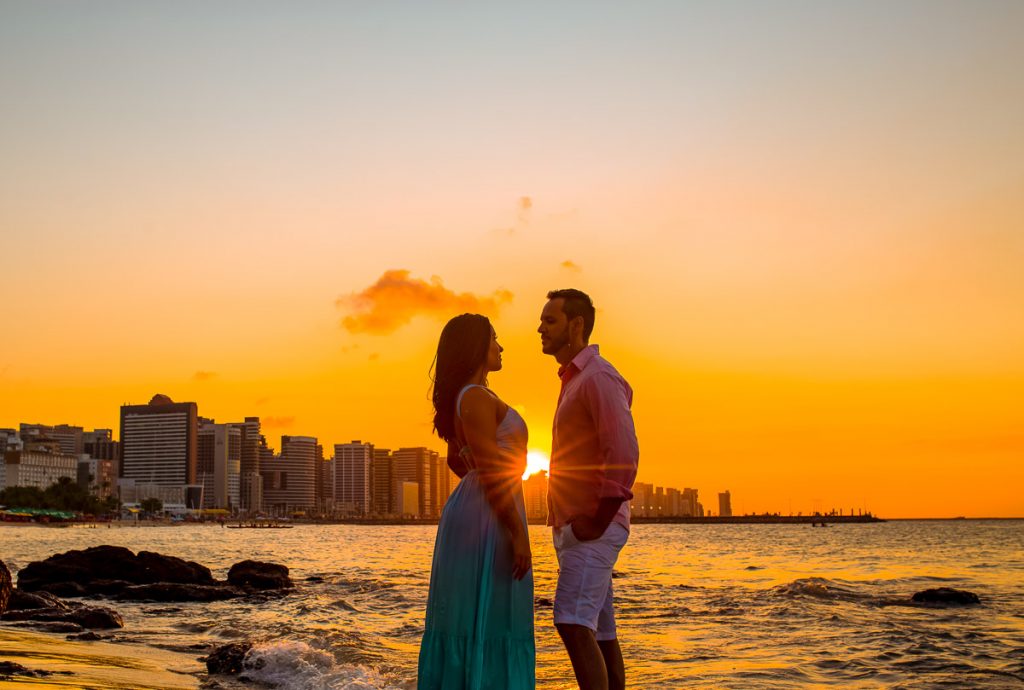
{"x": 499, "y": 479}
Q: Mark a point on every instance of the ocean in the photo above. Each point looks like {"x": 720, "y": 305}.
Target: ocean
{"x": 699, "y": 606}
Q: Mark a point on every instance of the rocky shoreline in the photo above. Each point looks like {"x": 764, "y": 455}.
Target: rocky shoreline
{"x": 48, "y": 594}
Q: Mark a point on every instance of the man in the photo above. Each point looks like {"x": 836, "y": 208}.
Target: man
{"x": 594, "y": 456}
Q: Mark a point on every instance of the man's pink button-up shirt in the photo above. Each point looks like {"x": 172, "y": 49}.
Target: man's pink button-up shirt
{"x": 594, "y": 451}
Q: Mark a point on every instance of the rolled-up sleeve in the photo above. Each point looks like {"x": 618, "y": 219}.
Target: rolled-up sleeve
{"x": 610, "y": 399}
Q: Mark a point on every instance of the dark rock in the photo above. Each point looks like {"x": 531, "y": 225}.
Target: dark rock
{"x": 160, "y": 568}
{"x": 946, "y": 595}
{"x": 543, "y": 602}
{"x": 170, "y": 591}
{"x": 103, "y": 569}
{"x": 259, "y": 575}
{"x": 9, "y": 669}
{"x": 88, "y": 636}
{"x": 98, "y": 617}
{"x": 314, "y": 578}
{"x": 61, "y": 589}
{"x": 5, "y": 586}
{"x": 227, "y": 658}
{"x": 21, "y": 600}
{"x": 108, "y": 587}
{"x": 85, "y": 616}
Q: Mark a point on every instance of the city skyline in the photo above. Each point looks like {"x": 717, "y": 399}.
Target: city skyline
{"x": 648, "y": 500}
{"x": 801, "y": 227}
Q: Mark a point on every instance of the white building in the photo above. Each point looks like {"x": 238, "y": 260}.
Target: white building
{"x": 158, "y": 442}
{"x": 37, "y": 468}
{"x": 219, "y": 465}
{"x": 352, "y": 474}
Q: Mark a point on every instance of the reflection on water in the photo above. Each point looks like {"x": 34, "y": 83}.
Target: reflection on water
{"x": 770, "y": 606}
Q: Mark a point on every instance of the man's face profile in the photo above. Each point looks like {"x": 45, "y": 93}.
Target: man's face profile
{"x": 554, "y": 327}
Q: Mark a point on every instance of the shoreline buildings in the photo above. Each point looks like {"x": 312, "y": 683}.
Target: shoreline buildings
{"x": 160, "y": 452}
{"x": 167, "y": 451}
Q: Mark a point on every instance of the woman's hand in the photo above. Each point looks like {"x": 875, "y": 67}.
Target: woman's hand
{"x": 522, "y": 557}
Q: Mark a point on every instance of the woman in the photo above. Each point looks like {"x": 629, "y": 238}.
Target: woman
{"x": 479, "y": 627}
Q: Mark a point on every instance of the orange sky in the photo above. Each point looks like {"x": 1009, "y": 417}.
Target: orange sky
{"x": 804, "y": 234}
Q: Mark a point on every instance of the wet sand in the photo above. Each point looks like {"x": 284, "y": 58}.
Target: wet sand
{"x": 99, "y": 664}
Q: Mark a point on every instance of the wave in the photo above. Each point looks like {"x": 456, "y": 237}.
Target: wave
{"x": 288, "y": 665}
{"x": 825, "y": 590}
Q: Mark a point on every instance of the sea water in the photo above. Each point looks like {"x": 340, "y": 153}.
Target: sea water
{"x": 698, "y": 606}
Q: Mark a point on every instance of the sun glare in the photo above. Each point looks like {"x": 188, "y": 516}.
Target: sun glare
{"x": 536, "y": 460}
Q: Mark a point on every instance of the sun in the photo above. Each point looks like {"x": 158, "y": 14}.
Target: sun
{"x": 536, "y": 460}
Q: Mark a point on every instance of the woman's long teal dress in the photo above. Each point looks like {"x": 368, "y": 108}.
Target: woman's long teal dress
{"x": 479, "y": 626}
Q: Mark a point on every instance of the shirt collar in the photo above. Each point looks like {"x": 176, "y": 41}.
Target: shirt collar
{"x": 580, "y": 361}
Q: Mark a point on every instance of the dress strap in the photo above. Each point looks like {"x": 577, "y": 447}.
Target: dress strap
{"x": 458, "y": 400}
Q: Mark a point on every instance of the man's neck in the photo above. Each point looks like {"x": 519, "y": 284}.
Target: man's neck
{"x": 568, "y": 353}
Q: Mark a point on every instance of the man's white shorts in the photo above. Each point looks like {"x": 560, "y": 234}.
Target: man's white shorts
{"x": 584, "y": 592}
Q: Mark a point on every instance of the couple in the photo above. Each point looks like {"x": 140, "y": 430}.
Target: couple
{"x": 479, "y": 623}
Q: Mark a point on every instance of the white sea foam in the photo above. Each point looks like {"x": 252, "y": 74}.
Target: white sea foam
{"x": 297, "y": 666}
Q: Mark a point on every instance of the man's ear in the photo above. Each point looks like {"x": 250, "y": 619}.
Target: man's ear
{"x": 576, "y": 327}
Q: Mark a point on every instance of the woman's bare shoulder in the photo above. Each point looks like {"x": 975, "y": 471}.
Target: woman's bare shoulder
{"x": 477, "y": 398}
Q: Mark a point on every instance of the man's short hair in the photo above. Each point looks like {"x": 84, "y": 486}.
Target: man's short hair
{"x": 576, "y": 303}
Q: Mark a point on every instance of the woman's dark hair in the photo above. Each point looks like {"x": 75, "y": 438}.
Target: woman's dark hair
{"x": 461, "y": 350}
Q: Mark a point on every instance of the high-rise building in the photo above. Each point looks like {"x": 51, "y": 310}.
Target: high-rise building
{"x": 643, "y": 499}
{"x": 99, "y": 444}
{"x": 159, "y": 442}
{"x": 409, "y": 499}
{"x": 673, "y": 502}
{"x": 289, "y": 480}
{"x": 250, "y": 481}
{"x": 441, "y": 484}
{"x": 690, "y": 506}
{"x": 69, "y": 437}
{"x": 325, "y": 485}
{"x": 535, "y": 495}
{"x": 219, "y": 464}
{"x": 725, "y": 504}
{"x": 9, "y": 439}
{"x": 382, "y": 498}
{"x": 353, "y": 490}
{"x": 413, "y": 465}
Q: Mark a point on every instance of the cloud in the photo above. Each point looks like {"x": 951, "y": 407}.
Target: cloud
{"x": 525, "y": 204}
{"x": 571, "y": 266}
{"x": 204, "y": 375}
{"x": 277, "y": 422}
{"x": 396, "y": 298}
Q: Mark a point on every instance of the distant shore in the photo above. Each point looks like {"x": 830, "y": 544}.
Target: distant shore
{"x": 816, "y": 520}
{"x": 733, "y": 520}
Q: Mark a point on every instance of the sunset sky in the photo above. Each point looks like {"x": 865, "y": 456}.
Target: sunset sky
{"x": 803, "y": 229}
